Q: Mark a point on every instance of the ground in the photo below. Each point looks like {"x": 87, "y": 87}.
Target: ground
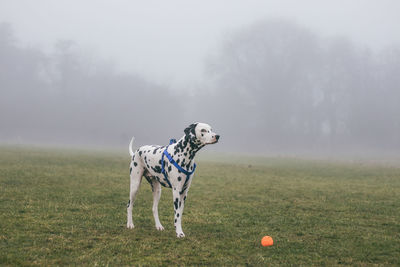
{"x": 68, "y": 207}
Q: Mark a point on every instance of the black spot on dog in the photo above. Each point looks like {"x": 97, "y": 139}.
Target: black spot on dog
{"x": 175, "y": 220}
{"x": 176, "y": 203}
{"x": 130, "y": 170}
{"x": 140, "y": 153}
{"x": 149, "y": 179}
{"x": 184, "y": 188}
{"x": 179, "y": 178}
{"x": 177, "y": 215}
{"x": 135, "y": 164}
{"x": 169, "y": 168}
{"x": 157, "y": 169}
{"x": 129, "y": 202}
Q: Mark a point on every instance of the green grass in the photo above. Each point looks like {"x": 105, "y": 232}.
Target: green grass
{"x": 69, "y": 208}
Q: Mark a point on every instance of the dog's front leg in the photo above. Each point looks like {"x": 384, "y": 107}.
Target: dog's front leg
{"x": 178, "y": 211}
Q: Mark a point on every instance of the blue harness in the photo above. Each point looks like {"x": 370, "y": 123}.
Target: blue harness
{"x": 172, "y": 141}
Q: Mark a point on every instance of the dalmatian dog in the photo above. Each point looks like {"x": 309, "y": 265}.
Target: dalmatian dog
{"x": 170, "y": 166}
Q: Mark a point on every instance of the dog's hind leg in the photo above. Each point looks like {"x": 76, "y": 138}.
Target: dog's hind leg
{"x": 156, "y": 186}
{"x": 136, "y": 178}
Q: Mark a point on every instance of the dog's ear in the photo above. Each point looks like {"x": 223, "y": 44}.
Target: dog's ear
{"x": 191, "y": 128}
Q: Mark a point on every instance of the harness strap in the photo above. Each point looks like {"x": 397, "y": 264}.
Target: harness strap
{"x": 187, "y": 173}
{"x": 176, "y": 164}
{"x": 163, "y": 170}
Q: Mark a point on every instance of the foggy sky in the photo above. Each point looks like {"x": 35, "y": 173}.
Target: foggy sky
{"x": 168, "y": 41}
{"x": 270, "y": 78}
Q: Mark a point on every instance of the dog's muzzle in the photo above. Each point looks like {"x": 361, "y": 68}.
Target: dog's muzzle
{"x": 216, "y": 139}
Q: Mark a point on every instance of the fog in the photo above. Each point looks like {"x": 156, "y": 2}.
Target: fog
{"x": 274, "y": 79}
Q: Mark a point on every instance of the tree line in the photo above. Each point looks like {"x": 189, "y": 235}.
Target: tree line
{"x": 291, "y": 90}
{"x": 273, "y": 86}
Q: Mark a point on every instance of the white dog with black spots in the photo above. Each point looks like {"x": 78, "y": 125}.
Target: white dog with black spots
{"x": 177, "y": 172}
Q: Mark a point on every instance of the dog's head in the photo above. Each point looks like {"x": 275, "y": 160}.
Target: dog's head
{"x": 201, "y": 134}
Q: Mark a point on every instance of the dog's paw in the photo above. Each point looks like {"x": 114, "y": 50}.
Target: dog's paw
{"x": 180, "y": 235}
{"x": 160, "y": 227}
{"x": 130, "y": 225}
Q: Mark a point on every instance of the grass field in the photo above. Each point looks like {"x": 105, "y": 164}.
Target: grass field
{"x": 69, "y": 208}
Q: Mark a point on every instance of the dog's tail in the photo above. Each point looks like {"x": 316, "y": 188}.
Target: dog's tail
{"x": 130, "y": 146}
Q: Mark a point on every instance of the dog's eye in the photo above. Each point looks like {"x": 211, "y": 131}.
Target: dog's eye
{"x": 203, "y": 130}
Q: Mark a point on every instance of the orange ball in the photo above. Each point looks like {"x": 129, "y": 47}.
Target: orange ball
{"x": 267, "y": 241}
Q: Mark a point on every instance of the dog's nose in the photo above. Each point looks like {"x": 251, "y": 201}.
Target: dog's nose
{"x": 217, "y": 137}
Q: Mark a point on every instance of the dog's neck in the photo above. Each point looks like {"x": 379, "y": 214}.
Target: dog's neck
{"x": 185, "y": 150}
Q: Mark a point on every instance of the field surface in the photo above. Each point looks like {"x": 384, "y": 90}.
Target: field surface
{"x": 62, "y": 207}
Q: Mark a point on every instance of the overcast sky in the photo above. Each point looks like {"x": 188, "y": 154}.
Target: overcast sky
{"x": 168, "y": 41}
